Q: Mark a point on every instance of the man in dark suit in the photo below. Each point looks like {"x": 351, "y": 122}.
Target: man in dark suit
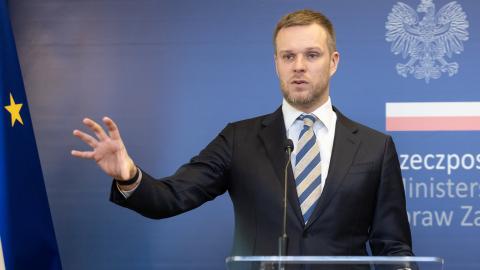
{"x": 344, "y": 186}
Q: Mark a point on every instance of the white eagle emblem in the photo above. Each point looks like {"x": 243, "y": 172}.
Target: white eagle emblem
{"x": 429, "y": 40}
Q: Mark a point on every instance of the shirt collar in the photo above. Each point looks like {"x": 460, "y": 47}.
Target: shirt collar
{"x": 324, "y": 113}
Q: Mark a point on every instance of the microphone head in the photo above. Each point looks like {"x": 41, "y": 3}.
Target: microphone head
{"x": 289, "y": 145}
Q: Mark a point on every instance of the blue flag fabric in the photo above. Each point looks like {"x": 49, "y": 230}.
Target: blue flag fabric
{"x": 26, "y": 229}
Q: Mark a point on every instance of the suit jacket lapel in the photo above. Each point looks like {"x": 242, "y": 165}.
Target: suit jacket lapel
{"x": 345, "y": 147}
{"x": 274, "y": 136}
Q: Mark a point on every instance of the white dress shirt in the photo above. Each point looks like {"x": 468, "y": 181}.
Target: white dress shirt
{"x": 324, "y": 129}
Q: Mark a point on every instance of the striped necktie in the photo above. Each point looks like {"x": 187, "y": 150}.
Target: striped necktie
{"x": 308, "y": 173}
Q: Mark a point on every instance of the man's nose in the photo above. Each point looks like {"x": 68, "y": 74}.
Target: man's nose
{"x": 299, "y": 64}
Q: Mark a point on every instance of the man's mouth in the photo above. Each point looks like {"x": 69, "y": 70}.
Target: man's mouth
{"x": 299, "y": 82}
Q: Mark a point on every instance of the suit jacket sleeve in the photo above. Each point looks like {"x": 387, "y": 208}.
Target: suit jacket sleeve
{"x": 194, "y": 183}
{"x": 390, "y": 230}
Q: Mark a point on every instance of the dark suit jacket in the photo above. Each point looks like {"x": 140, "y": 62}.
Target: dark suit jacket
{"x": 363, "y": 198}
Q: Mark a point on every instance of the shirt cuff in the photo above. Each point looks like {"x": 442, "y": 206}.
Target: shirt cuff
{"x": 129, "y": 193}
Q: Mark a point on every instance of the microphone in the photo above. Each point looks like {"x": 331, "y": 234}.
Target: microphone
{"x": 289, "y": 146}
{"x": 283, "y": 239}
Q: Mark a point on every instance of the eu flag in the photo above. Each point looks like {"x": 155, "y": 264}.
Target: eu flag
{"x": 26, "y": 230}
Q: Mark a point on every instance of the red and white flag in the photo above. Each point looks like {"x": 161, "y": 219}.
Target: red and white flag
{"x": 432, "y": 116}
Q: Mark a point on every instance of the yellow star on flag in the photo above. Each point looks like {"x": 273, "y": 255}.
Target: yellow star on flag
{"x": 14, "y": 110}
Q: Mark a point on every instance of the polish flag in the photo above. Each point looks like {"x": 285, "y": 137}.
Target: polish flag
{"x": 432, "y": 116}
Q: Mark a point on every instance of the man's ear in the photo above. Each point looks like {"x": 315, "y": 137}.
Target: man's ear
{"x": 275, "y": 59}
{"x": 334, "y": 60}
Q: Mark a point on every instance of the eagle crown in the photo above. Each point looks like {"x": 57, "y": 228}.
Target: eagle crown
{"x": 428, "y": 7}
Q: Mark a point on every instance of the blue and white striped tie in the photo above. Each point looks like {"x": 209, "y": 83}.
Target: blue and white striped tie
{"x": 308, "y": 172}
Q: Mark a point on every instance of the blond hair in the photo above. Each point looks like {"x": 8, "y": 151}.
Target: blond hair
{"x": 306, "y": 17}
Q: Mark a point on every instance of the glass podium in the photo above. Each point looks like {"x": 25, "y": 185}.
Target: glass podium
{"x": 333, "y": 263}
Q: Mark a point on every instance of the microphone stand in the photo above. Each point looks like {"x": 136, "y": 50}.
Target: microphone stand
{"x": 283, "y": 239}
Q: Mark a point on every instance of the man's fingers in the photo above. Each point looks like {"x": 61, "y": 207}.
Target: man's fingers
{"x": 96, "y": 128}
{"x": 112, "y": 128}
{"x": 86, "y": 138}
{"x": 82, "y": 154}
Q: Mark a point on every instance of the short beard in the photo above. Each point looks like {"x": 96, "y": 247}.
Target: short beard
{"x": 305, "y": 101}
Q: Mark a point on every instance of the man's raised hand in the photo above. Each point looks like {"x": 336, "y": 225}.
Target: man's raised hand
{"x": 107, "y": 150}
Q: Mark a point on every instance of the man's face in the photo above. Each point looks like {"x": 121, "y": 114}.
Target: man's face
{"x": 304, "y": 65}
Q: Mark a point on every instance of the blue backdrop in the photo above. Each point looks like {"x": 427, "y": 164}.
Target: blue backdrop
{"x": 193, "y": 66}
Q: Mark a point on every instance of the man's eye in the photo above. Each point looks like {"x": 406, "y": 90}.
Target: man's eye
{"x": 288, "y": 56}
{"x": 312, "y": 55}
